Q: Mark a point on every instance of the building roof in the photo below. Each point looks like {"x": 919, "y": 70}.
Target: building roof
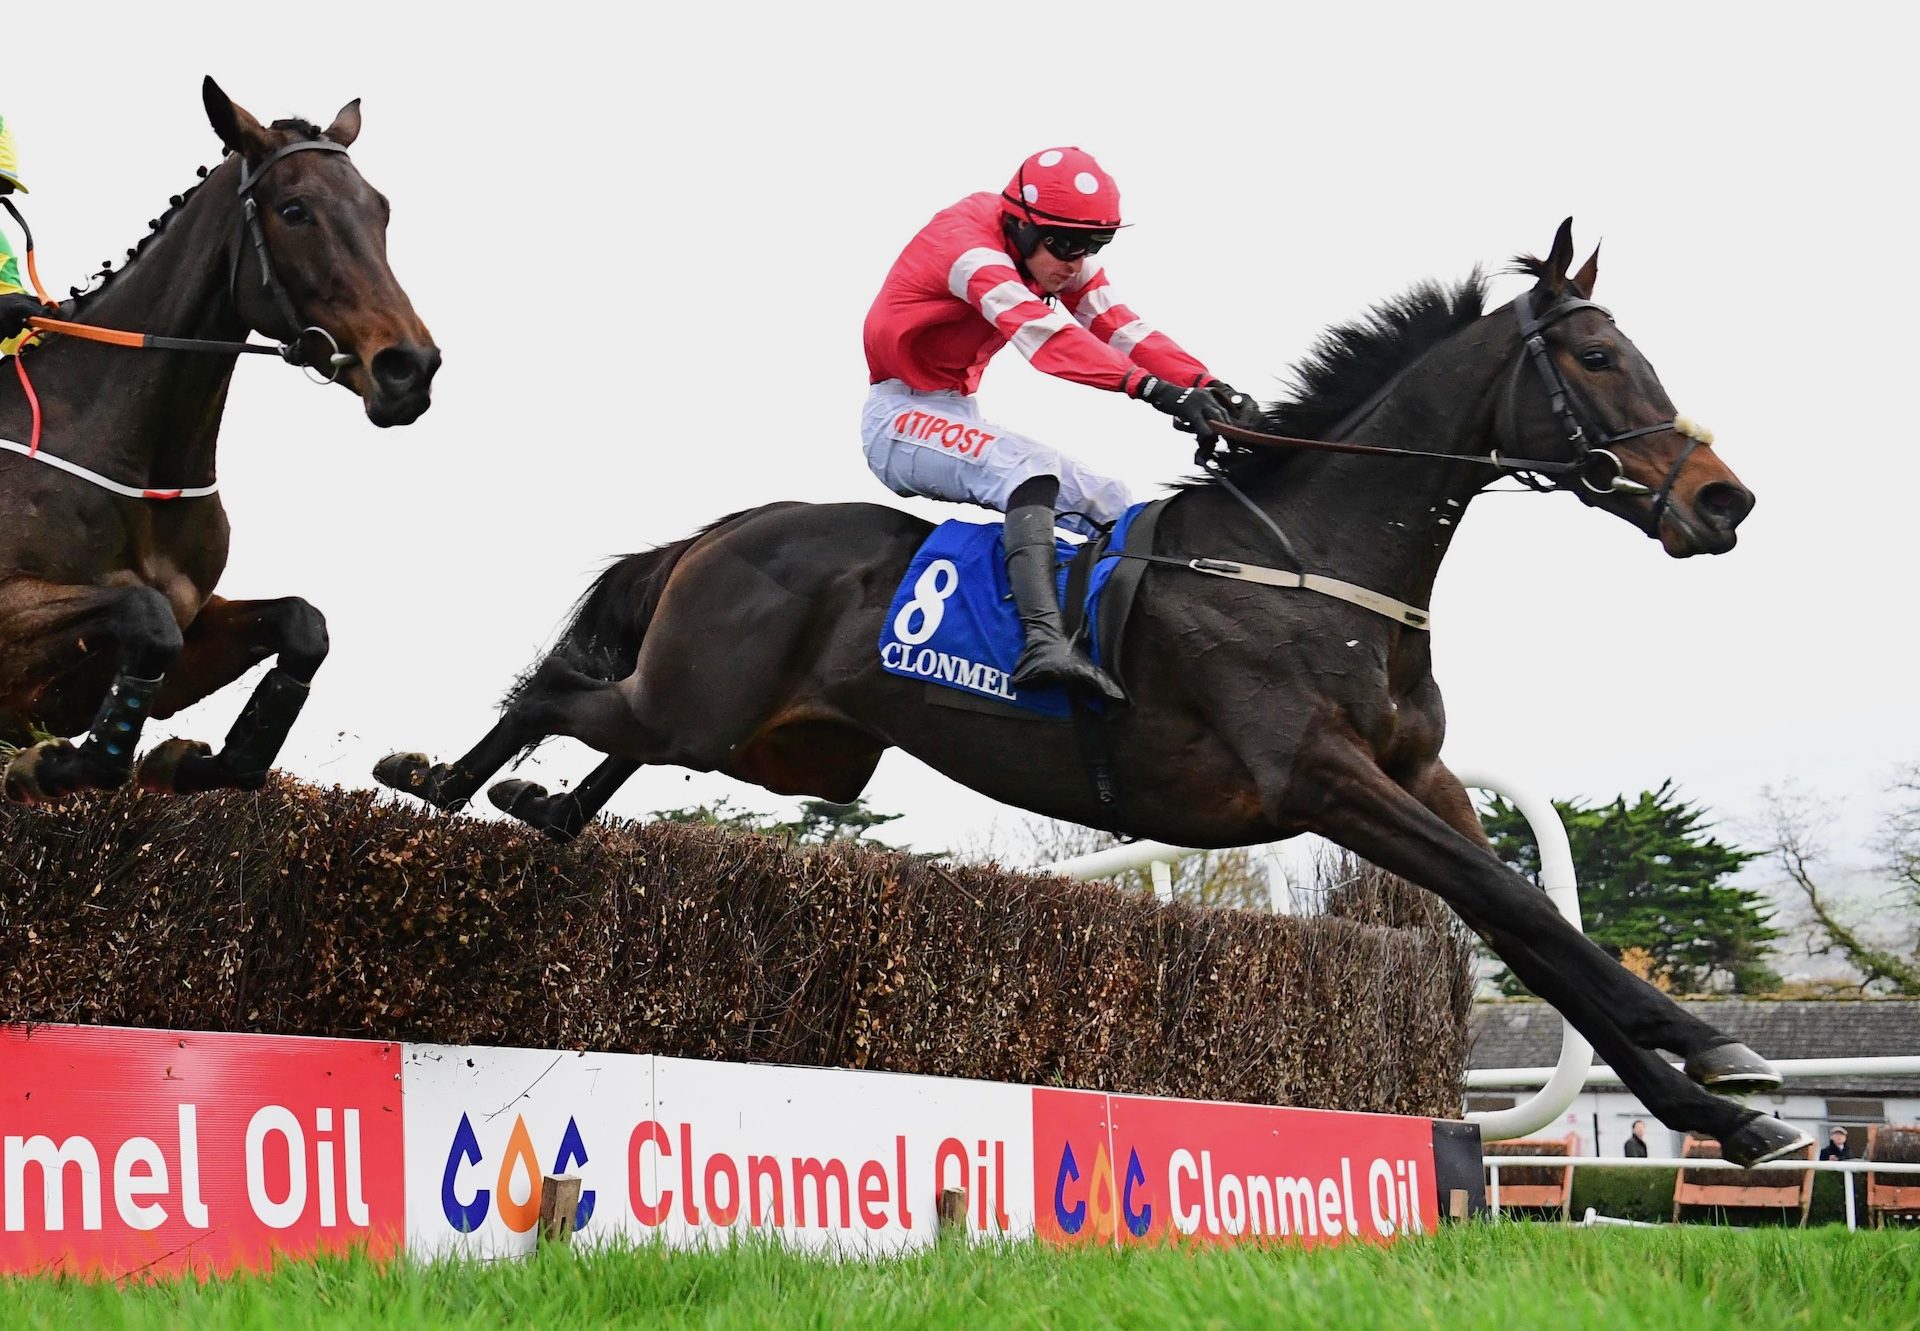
{"x": 1526, "y": 1034}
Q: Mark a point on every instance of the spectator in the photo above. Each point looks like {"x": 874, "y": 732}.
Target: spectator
{"x": 1637, "y": 1141}
{"x": 1836, "y": 1147}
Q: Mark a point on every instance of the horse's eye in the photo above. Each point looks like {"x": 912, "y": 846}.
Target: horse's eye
{"x": 294, "y": 213}
{"x": 1595, "y": 359}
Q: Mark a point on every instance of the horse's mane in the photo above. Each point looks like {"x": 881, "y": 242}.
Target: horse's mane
{"x": 1351, "y": 362}
{"x": 82, "y": 297}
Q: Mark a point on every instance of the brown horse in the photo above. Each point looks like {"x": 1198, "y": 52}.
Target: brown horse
{"x": 111, "y": 537}
{"x": 1258, "y": 713}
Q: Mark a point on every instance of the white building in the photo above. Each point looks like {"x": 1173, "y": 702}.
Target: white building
{"x": 1516, "y": 1033}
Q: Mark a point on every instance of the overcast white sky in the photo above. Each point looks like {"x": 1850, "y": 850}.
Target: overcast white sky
{"x": 646, "y": 237}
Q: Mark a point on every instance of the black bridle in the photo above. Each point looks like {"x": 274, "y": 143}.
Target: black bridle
{"x": 1598, "y": 468}
{"x": 294, "y": 351}
{"x": 1594, "y": 464}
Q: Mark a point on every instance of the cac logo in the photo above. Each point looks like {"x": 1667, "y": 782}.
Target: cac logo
{"x": 518, "y": 1159}
{"x": 1074, "y": 1207}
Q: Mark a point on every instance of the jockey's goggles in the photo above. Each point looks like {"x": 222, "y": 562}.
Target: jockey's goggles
{"x": 1067, "y": 246}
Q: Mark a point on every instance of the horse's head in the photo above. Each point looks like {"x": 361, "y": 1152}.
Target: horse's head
{"x": 1582, "y": 393}
{"x": 313, "y": 270}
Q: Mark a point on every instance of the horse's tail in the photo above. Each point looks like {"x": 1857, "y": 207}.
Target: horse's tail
{"x": 603, "y": 634}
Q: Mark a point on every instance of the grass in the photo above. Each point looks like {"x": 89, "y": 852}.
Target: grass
{"x": 1514, "y": 1275}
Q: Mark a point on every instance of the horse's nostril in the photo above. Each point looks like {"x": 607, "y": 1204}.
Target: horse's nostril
{"x": 405, "y": 369}
{"x": 1723, "y": 504}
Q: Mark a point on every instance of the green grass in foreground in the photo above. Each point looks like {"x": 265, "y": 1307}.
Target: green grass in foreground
{"x": 1512, "y": 1276}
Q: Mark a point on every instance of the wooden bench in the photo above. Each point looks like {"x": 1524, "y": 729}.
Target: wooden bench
{"x": 1541, "y": 1186}
{"x": 1893, "y": 1194}
{"x": 1771, "y": 1186}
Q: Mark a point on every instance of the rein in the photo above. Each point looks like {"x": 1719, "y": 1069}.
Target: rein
{"x": 294, "y": 352}
{"x": 1566, "y": 411}
{"x": 1587, "y": 453}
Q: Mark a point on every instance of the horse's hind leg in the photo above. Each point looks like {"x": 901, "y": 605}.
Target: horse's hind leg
{"x": 225, "y": 640}
{"x": 450, "y": 785}
{"x": 1362, "y": 809}
{"x": 47, "y": 630}
{"x": 562, "y": 816}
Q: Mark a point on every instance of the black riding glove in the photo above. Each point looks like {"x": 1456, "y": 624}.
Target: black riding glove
{"x": 1194, "y": 410}
{"x": 1241, "y": 409}
{"x": 15, "y": 309}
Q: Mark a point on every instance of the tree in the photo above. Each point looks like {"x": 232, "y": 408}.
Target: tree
{"x": 1652, "y": 879}
{"x": 819, "y": 823}
{"x": 1880, "y": 941}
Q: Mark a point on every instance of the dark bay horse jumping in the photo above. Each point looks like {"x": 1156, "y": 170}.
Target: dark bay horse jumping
{"x": 111, "y": 535}
{"x": 1258, "y": 713}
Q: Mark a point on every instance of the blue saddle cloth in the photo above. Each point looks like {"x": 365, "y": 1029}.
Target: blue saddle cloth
{"x": 952, "y": 621}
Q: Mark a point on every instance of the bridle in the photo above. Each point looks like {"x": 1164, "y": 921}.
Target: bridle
{"x": 327, "y": 364}
{"x": 1590, "y": 446}
{"x": 1594, "y": 463}
{"x": 321, "y": 366}
{"x": 294, "y": 352}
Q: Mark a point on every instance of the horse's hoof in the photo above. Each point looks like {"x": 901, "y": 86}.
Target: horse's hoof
{"x": 408, "y": 773}
{"x": 519, "y": 798}
{"x": 1732, "y": 1069}
{"x": 159, "y": 769}
{"x": 1762, "y": 1138}
{"x": 33, "y": 774}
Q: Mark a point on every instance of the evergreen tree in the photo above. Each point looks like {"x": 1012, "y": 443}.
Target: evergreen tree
{"x": 1652, "y": 879}
{"x": 820, "y": 821}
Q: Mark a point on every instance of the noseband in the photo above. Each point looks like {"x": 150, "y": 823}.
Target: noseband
{"x": 1594, "y": 461}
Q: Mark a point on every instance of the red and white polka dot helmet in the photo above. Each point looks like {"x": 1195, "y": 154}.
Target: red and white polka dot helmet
{"x": 1063, "y": 187}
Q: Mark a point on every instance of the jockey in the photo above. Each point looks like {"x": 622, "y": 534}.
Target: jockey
{"x": 986, "y": 272}
{"x": 16, "y": 305}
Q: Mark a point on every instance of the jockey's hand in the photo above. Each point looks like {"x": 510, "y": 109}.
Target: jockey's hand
{"x": 15, "y": 309}
{"x": 1241, "y": 409}
{"x": 1195, "y": 410}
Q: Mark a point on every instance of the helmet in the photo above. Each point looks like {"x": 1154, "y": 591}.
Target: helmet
{"x": 1062, "y": 187}
{"x": 9, "y": 163}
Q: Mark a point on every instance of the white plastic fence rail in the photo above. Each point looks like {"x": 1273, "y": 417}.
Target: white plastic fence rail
{"x": 1496, "y": 1163}
{"x": 1563, "y": 1082}
{"x": 1888, "y": 1065}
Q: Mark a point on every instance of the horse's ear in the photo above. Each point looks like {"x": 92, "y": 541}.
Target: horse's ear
{"x": 1583, "y": 280}
{"x": 236, "y": 127}
{"x": 1553, "y": 276}
{"x": 346, "y": 126}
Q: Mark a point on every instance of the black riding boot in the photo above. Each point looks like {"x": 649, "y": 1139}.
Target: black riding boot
{"x": 1049, "y": 658}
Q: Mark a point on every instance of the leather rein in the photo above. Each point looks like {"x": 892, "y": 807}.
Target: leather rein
{"x": 329, "y": 362}
{"x": 1594, "y": 463}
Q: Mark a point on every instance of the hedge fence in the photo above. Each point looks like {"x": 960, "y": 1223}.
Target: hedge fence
{"x": 308, "y": 911}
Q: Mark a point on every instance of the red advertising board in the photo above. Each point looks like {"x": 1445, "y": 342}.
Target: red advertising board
{"x": 126, "y": 1151}
{"x": 1116, "y": 1168}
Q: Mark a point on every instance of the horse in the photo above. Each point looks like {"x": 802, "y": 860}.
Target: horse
{"x": 113, "y": 536}
{"x": 1257, "y": 713}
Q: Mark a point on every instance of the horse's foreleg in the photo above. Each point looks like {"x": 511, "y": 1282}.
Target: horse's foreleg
{"x": 49, "y": 628}
{"x": 1362, "y": 809}
{"x": 225, "y": 640}
{"x": 1646, "y": 1016}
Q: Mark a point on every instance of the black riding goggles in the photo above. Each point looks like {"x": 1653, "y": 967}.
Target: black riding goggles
{"x": 1067, "y": 246}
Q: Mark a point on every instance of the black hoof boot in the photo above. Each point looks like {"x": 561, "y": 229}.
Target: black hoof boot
{"x": 1732, "y": 1069}
{"x": 1762, "y": 1138}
